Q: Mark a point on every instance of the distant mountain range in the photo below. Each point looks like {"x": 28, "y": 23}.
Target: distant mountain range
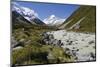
{"x": 83, "y": 20}
{"x": 53, "y": 21}
{"x": 25, "y": 15}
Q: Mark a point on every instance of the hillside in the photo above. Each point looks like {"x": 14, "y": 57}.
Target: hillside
{"x": 82, "y": 20}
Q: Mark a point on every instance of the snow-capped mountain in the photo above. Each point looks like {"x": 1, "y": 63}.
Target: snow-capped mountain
{"x": 27, "y": 13}
{"x": 53, "y": 21}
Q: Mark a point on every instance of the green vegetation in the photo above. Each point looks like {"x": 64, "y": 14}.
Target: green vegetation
{"x": 86, "y": 25}
{"x": 32, "y": 54}
{"x": 35, "y": 52}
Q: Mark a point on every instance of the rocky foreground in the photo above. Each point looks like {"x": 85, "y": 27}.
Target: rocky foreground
{"x": 80, "y": 45}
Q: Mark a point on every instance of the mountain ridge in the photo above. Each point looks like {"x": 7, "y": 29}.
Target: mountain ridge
{"x": 86, "y": 25}
{"x": 27, "y": 14}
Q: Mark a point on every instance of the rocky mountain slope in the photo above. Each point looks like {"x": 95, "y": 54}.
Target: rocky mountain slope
{"x": 83, "y": 19}
{"x": 24, "y": 15}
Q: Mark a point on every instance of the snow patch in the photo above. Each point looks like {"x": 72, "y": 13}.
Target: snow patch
{"x": 27, "y": 13}
{"x": 53, "y": 20}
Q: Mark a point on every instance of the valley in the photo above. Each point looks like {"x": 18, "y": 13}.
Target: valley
{"x": 53, "y": 40}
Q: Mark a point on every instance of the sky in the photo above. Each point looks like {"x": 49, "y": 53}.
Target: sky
{"x": 45, "y": 10}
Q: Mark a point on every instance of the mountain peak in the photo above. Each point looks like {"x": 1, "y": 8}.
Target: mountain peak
{"x": 52, "y": 16}
{"x": 52, "y": 20}
{"x": 26, "y": 13}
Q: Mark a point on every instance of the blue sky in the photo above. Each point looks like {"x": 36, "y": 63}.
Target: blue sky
{"x": 45, "y": 10}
